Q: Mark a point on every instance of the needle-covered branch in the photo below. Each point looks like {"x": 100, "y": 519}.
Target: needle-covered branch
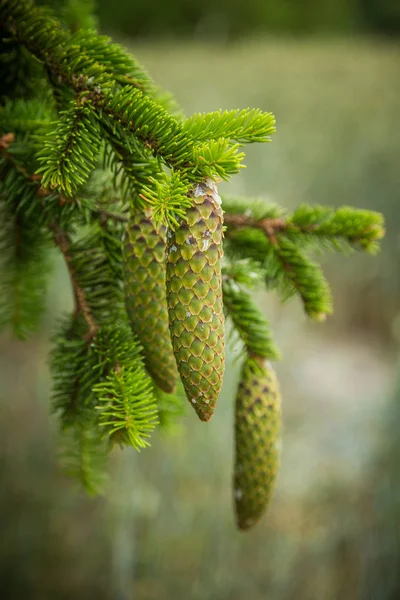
{"x": 251, "y": 325}
{"x": 70, "y": 151}
{"x": 98, "y": 162}
{"x": 124, "y": 106}
{"x": 63, "y": 241}
{"x": 126, "y": 404}
{"x": 243, "y": 126}
{"x": 279, "y": 242}
{"x": 340, "y": 227}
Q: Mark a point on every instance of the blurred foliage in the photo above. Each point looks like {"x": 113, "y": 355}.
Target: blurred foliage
{"x": 233, "y": 18}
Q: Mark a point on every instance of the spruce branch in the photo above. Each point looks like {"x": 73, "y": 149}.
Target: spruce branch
{"x": 122, "y": 66}
{"x": 63, "y": 242}
{"x": 362, "y": 229}
{"x": 126, "y": 404}
{"x": 68, "y": 59}
{"x": 294, "y": 273}
{"x": 75, "y": 99}
{"x": 133, "y": 167}
{"x": 73, "y": 365}
{"x": 168, "y": 197}
{"x": 24, "y": 249}
{"x": 23, "y": 190}
{"x": 70, "y": 150}
{"x": 276, "y": 241}
{"x": 248, "y": 321}
{"x": 75, "y": 370}
{"x": 242, "y": 126}
{"x": 286, "y": 267}
{"x": 21, "y": 75}
{"x": 123, "y": 110}
{"x": 60, "y": 237}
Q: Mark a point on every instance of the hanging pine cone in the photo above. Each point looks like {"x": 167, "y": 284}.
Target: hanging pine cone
{"x": 194, "y": 296}
{"x": 257, "y": 433}
{"x": 145, "y": 297}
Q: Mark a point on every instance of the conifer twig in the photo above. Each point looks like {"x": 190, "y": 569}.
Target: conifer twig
{"x": 62, "y": 240}
{"x": 269, "y": 226}
{"x": 273, "y": 226}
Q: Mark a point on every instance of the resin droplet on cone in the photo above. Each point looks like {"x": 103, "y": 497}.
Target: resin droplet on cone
{"x": 257, "y": 441}
{"x": 145, "y": 297}
{"x": 194, "y": 295}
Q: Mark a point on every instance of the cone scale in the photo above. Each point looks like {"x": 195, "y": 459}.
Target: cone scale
{"x": 194, "y": 296}
{"x": 257, "y": 440}
{"x": 145, "y": 297}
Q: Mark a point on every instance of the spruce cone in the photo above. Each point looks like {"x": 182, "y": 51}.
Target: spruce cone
{"x": 145, "y": 297}
{"x": 257, "y": 432}
{"x": 194, "y": 296}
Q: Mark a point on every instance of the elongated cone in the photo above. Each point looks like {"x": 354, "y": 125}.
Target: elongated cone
{"x": 145, "y": 297}
{"x": 257, "y": 433}
{"x": 194, "y": 296}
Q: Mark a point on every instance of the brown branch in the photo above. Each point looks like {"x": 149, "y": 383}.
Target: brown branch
{"x": 62, "y": 240}
{"x": 273, "y": 226}
{"x": 270, "y": 226}
{"x": 60, "y": 237}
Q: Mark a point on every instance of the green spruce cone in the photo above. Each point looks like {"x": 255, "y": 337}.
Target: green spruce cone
{"x": 145, "y": 297}
{"x": 257, "y": 440}
{"x": 194, "y": 296}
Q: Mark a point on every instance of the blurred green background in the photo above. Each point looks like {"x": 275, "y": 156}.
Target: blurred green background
{"x": 330, "y": 71}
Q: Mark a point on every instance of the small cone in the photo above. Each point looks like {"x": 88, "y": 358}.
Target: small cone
{"x": 257, "y": 433}
{"x": 145, "y": 297}
{"x": 194, "y": 296}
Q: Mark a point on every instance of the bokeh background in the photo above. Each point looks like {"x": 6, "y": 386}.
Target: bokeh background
{"x": 330, "y": 71}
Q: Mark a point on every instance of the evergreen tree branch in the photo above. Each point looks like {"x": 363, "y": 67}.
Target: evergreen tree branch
{"x": 126, "y": 403}
{"x": 64, "y": 54}
{"x": 63, "y": 241}
{"x": 24, "y": 245}
{"x": 276, "y": 242}
{"x": 243, "y": 126}
{"x": 25, "y": 191}
{"x": 360, "y": 228}
{"x": 126, "y": 110}
{"x": 70, "y": 151}
{"x": 133, "y": 167}
{"x": 74, "y": 368}
{"x": 248, "y": 321}
{"x": 293, "y": 272}
{"x": 287, "y": 268}
{"x": 72, "y": 97}
{"x": 122, "y": 66}
{"x": 60, "y": 237}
